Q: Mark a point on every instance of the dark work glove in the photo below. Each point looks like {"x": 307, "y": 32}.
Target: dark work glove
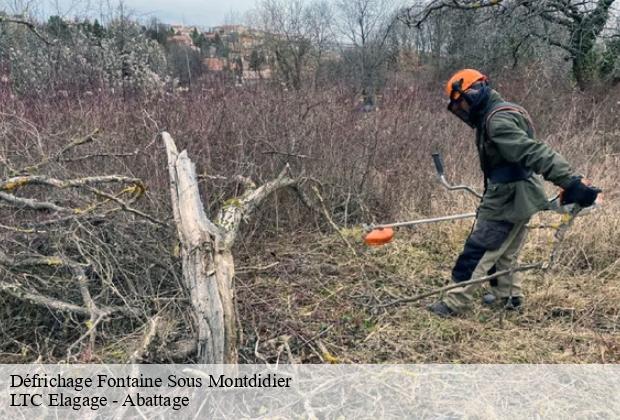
{"x": 580, "y": 193}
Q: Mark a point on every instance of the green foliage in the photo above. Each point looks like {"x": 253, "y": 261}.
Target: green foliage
{"x": 221, "y": 49}
{"x": 257, "y": 60}
{"x": 183, "y": 63}
{"x": 610, "y": 61}
{"x": 98, "y": 30}
{"x": 200, "y": 41}
{"x": 57, "y": 27}
{"x": 158, "y": 31}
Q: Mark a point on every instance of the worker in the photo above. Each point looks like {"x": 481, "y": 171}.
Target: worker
{"x": 511, "y": 159}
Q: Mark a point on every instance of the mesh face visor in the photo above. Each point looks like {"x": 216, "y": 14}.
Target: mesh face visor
{"x": 475, "y": 96}
{"x": 455, "y": 108}
{"x": 457, "y": 96}
{"x": 457, "y": 90}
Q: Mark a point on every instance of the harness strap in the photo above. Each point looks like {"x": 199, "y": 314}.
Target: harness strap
{"x": 509, "y": 173}
{"x": 514, "y": 171}
{"x": 507, "y": 106}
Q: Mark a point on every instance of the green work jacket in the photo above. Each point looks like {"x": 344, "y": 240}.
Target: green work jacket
{"x": 502, "y": 140}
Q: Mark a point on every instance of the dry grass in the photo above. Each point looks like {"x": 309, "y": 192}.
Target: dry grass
{"x": 319, "y": 293}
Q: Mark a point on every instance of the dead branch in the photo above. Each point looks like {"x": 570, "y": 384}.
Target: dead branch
{"x": 150, "y": 334}
{"x": 332, "y": 223}
{"x": 78, "y": 142}
{"x": 238, "y": 209}
{"x": 14, "y": 183}
{"x": 124, "y": 206}
{"x": 30, "y": 203}
{"x": 27, "y": 24}
{"x": 38, "y": 299}
{"x": 97, "y": 155}
{"x": 455, "y": 285}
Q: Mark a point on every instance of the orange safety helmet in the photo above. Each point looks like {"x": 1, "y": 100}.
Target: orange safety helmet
{"x": 461, "y": 81}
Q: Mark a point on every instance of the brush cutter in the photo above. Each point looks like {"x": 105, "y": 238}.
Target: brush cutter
{"x": 382, "y": 234}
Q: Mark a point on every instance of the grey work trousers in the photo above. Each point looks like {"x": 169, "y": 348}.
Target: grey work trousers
{"x": 492, "y": 246}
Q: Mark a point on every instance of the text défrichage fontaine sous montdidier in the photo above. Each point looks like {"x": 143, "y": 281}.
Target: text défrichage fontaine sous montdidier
{"x": 102, "y": 382}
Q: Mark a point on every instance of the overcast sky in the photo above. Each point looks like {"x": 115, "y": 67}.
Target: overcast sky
{"x": 204, "y": 13}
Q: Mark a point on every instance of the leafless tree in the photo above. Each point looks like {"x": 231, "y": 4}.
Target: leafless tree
{"x": 571, "y": 25}
{"x": 320, "y": 19}
{"x": 287, "y": 37}
{"x": 366, "y": 26}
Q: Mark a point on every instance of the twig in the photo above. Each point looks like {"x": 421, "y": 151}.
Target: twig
{"x": 78, "y": 142}
{"x": 88, "y": 333}
{"x": 331, "y": 221}
{"x": 126, "y": 207}
{"x": 275, "y": 152}
{"x": 29, "y": 25}
{"x": 146, "y": 341}
{"x": 243, "y": 270}
{"x": 99, "y": 155}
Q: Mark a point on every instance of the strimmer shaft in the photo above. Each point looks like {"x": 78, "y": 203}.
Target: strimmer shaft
{"x": 425, "y": 221}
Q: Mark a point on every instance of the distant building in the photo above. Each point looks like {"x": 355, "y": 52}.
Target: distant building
{"x": 181, "y": 40}
{"x": 256, "y": 75}
{"x": 183, "y": 36}
{"x": 215, "y": 63}
{"x": 240, "y": 42}
{"x": 225, "y": 29}
{"x": 184, "y": 30}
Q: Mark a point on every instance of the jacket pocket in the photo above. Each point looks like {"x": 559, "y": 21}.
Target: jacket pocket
{"x": 499, "y": 197}
{"x": 491, "y": 234}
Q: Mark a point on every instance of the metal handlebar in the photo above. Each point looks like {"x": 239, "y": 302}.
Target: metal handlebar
{"x": 555, "y": 203}
{"x": 440, "y": 174}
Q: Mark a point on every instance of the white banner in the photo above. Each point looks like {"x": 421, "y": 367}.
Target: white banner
{"x": 310, "y": 391}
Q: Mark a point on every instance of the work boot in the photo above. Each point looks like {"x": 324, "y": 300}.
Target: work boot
{"x": 511, "y": 303}
{"x": 439, "y": 308}
{"x": 489, "y": 299}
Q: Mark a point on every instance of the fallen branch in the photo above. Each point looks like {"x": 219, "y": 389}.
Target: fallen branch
{"x": 32, "y": 204}
{"x": 41, "y": 300}
{"x": 462, "y": 284}
{"x": 332, "y": 223}
{"x": 150, "y": 334}
{"x": 16, "y": 182}
{"x": 18, "y": 291}
{"x": 124, "y": 206}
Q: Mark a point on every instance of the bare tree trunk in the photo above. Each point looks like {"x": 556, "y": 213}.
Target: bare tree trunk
{"x": 208, "y": 269}
{"x": 206, "y": 250}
